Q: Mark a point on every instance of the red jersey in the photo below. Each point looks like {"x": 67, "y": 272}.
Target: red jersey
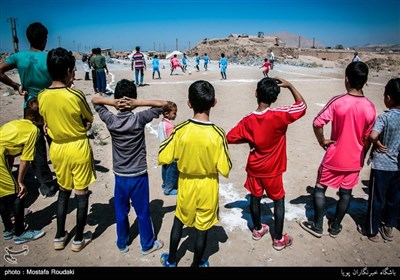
{"x": 266, "y": 132}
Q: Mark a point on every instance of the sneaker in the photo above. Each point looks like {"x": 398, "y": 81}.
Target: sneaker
{"x": 158, "y": 244}
{"x": 334, "y": 232}
{"x": 386, "y": 232}
{"x": 172, "y": 192}
{"x": 374, "y": 238}
{"x": 164, "y": 260}
{"x": 257, "y": 234}
{"x": 7, "y": 235}
{"x": 286, "y": 241}
{"x": 59, "y": 243}
{"x": 28, "y": 235}
{"x": 124, "y": 250}
{"x": 310, "y": 227}
{"x": 204, "y": 263}
{"x": 77, "y": 246}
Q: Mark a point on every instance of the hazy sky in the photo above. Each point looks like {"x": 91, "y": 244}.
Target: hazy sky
{"x": 80, "y": 25}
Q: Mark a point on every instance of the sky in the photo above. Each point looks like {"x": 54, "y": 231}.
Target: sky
{"x": 80, "y": 25}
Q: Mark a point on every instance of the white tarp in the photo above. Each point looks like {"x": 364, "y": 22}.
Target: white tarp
{"x": 178, "y": 54}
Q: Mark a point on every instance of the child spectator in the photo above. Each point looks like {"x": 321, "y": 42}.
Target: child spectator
{"x": 384, "y": 188}
{"x": 169, "y": 172}
{"x": 197, "y": 200}
{"x": 271, "y": 58}
{"x": 352, "y": 116}
{"x": 17, "y": 137}
{"x": 34, "y": 76}
{"x": 98, "y": 62}
{"x": 86, "y": 66}
{"x": 356, "y": 58}
{"x": 127, "y": 130}
{"x": 70, "y": 152}
{"x": 265, "y": 132}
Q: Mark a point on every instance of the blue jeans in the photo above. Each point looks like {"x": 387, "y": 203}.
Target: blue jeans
{"x": 135, "y": 189}
{"x": 137, "y": 71}
{"x": 383, "y": 201}
{"x": 169, "y": 174}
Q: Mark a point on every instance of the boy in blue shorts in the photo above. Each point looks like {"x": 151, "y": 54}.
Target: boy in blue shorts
{"x": 127, "y": 131}
{"x": 156, "y": 66}
{"x": 223, "y": 64}
{"x": 197, "y": 199}
{"x": 67, "y": 118}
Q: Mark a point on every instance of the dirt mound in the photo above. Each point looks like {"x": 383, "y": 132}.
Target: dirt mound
{"x": 384, "y": 63}
{"x": 237, "y": 46}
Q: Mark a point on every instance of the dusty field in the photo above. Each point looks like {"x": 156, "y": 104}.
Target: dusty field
{"x": 230, "y": 243}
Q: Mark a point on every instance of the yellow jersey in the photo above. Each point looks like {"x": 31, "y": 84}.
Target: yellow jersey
{"x": 19, "y": 137}
{"x": 65, "y": 111}
{"x": 200, "y": 149}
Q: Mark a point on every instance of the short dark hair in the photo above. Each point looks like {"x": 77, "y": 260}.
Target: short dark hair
{"x": 137, "y": 48}
{"x": 37, "y": 35}
{"x": 32, "y": 112}
{"x": 357, "y": 74}
{"x": 125, "y": 88}
{"x": 201, "y": 96}
{"x": 392, "y": 89}
{"x": 59, "y": 60}
{"x": 267, "y": 90}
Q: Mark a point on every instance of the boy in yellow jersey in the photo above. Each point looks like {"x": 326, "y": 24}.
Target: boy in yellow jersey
{"x": 17, "y": 137}
{"x": 67, "y": 117}
{"x": 201, "y": 151}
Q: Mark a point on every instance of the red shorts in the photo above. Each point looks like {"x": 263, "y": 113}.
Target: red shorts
{"x": 273, "y": 186}
{"x": 337, "y": 179}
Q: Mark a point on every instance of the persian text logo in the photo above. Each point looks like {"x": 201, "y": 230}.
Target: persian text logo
{"x": 9, "y": 256}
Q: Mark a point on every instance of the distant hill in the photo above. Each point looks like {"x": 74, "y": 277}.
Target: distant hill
{"x": 292, "y": 40}
{"x": 379, "y": 47}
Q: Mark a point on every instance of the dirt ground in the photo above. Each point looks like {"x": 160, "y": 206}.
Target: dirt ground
{"x": 229, "y": 243}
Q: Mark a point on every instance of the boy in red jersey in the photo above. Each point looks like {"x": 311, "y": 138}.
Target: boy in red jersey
{"x": 265, "y": 131}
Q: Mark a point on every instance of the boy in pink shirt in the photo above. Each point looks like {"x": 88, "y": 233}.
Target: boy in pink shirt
{"x": 352, "y": 116}
{"x": 175, "y": 64}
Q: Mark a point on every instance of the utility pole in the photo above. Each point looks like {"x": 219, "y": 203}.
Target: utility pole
{"x": 154, "y": 46}
{"x": 299, "y": 42}
{"x": 14, "y": 33}
{"x": 59, "y": 41}
{"x": 177, "y": 44}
